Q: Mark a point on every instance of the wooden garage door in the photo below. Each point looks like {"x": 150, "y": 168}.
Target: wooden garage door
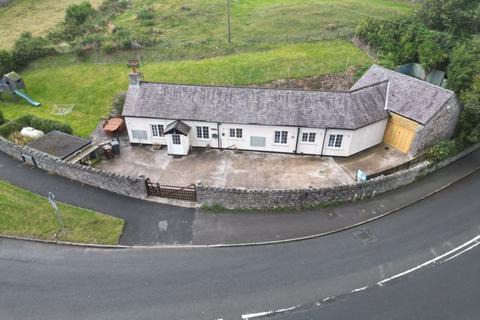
{"x": 400, "y": 132}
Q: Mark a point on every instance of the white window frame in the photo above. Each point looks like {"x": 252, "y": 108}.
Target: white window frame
{"x": 159, "y": 130}
{"x": 282, "y": 134}
{"x": 176, "y": 136}
{"x": 309, "y": 135}
{"x": 202, "y": 132}
{"x": 335, "y": 140}
{"x": 235, "y": 133}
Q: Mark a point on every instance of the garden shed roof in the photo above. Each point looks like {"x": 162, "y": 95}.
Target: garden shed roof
{"x": 59, "y": 144}
{"x": 315, "y": 109}
{"x": 410, "y": 97}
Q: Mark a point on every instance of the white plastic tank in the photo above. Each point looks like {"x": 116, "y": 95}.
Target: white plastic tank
{"x": 31, "y": 133}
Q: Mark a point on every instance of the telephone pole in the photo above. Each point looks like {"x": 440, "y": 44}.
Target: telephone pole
{"x": 229, "y": 27}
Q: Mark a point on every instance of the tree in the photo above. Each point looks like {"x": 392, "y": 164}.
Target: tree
{"x": 464, "y": 63}
{"x": 27, "y": 48}
{"x": 455, "y": 16}
{"x": 431, "y": 55}
{"x": 6, "y": 62}
{"x": 470, "y": 117}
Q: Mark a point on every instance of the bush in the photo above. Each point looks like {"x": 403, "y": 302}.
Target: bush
{"x": 6, "y": 62}
{"x": 77, "y": 14}
{"x": 44, "y": 125}
{"x": 123, "y": 38}
{"x": 118, "y": 102}
{"x": 28, "y": 48}
{"x": 441, "y": 150}
{"x": 108, "y": 47}
{"x": 2, "y": 119}
{"x": 146, "y": 16}
{"x": 464, "y": 62}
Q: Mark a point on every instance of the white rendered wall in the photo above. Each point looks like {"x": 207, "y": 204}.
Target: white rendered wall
{"x": 344, "y": 150}
{"x": 268, "y": 132}
{"x": 196, "y": 142}
{"x": 311, "y": 147}
{"x": 368, "y": 136}
{"x": 145, "y": 124}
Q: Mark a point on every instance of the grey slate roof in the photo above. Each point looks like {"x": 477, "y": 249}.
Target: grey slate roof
{"x": 410, "y": 97}
{"x": 315, "y": 109}
{"x": 59, "y": 144}
{"x": 179, "y": 127}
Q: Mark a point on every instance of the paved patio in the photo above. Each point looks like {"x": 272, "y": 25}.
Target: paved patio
{"x": 246, "y": 169}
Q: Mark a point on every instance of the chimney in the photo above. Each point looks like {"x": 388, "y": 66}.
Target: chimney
{"x": 135, "y": 79}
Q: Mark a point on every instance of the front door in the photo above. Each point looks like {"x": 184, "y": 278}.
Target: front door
{"x": 176, "y": 144}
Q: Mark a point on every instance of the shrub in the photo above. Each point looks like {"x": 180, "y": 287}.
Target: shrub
{"x": 464, "y": 62}
{"x": 77, "y": 14}
{"x": 44, "y": 125}
{"x": 441, "y": 150}
{"x": 108, "y": 47}
{"x": 28, "y": 48}
{"x": 146, "y": 16}
{"x": 118, "y": 102}
{"x": 6, "y": 62}
{"x": 123, "y": 38}
{"x": 2, "y": 119}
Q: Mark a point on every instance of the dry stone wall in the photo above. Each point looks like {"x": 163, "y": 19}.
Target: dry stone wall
{"x": 125, "y": 185}
{"x": 268, "y": 199}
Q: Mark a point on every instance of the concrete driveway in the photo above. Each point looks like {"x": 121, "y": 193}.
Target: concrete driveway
{"x": 244, "y": 169}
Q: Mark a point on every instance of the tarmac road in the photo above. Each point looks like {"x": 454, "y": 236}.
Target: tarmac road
{"x": 42, "y": 281}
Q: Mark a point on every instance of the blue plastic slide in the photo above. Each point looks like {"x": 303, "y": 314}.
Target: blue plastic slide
{"x": 27, "y": 97}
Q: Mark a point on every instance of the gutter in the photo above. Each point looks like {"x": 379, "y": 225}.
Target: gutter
{"x": 323, "y": 143}
{"x": 296, "y": 144}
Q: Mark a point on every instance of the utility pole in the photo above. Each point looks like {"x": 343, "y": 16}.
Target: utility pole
{"x": 229, "y": 27}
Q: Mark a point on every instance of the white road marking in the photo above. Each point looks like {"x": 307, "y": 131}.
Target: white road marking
{"x": 461, "y": 252}
{"x": 359, "y": 289}
{"x": 260, "y": 314}
{"x": 162, "y": 225}
{"x": 466, "y": 244}
{"x": 382, "y": 271}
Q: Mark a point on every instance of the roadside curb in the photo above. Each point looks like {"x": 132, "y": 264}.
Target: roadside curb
{"x": 246, "y": 244}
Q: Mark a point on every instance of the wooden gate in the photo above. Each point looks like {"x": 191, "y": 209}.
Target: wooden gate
{"x": 400, "y": 133}
{"x": 173, "y": 192}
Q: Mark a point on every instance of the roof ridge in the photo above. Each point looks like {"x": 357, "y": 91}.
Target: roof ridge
{"x": 244, "y": 87}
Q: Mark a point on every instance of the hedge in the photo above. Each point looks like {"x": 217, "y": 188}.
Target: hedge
{"x": 44, "y": 125}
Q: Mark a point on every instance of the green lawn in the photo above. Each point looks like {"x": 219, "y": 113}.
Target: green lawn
{"x": 197, "y": 28}
{"x": 25, "y": 214}
{"x": 35, "y": 16}
{"x": 60, "y": 80}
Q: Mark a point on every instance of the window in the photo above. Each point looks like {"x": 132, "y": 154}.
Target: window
{"x": 139, "y": 134}
{"x": 281, "y": 137}
{"x": 157, "y": 130}
{"x": 202, "y": 133}
{"x": 176, "y": 139}
{"x": 236, "y": 133}
{"x": 309, "y": 136}
{"x": 335, "y": 140}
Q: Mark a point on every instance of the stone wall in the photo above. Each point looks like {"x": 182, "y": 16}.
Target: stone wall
{"x": 267, "y": 199}
{"x": 125, "y": 185}
{"x": 440, "y": 127}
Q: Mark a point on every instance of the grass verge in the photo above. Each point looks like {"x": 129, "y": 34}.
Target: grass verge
{"x": 29, "y": 215}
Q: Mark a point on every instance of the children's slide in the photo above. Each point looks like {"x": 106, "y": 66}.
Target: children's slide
{"x": 27, "y": 97}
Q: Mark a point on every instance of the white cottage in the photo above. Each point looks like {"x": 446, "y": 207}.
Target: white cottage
{"x": 272, "y": 120}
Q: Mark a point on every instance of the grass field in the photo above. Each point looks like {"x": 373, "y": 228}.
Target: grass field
{"x": 197, "y": 28}
{"x": 35, "y": 16}
{"x": 25, "y": 214}
{"x": 59, "y": 80}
